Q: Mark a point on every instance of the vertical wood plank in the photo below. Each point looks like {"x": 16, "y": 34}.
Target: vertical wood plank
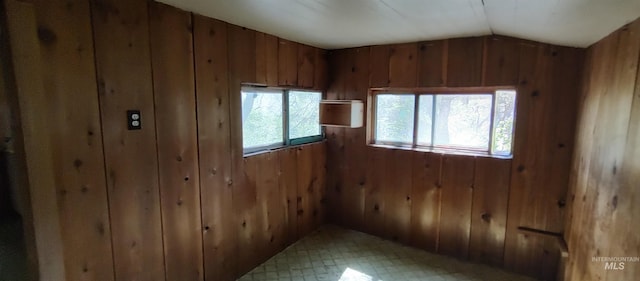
{"x": 502, "y": 61}
{"x": 241, "y": 69}
{"x": 22, "y": 70}
{"x": 261, "y": 58}
{"x": 397, "y": 213}
{"x": 321, "y": 70}
{"x": 306, "y": 66}
{"x": 266, "y": 59}
{"x": 489, "y": 214}
{"x": 69, "y": 79}
{"x": 304, "y": 165}
{"x": 375, "y": 196}
{"x": 177, "y": 138}
{"x": 289, "y": 187}
{"x": 464, "y": 62}
{"x": 456, "y": 198}
{"x": 425, "y": 200}
{"x": 403, "y": 66}
{"x": 379, "y": 60}
{"x": 287, "y": 62}
{"x": 272, "y": 59}
{"x": 212, "y": 93}
{"x": 121, "y": 35}
{"x": 431, "y": 63}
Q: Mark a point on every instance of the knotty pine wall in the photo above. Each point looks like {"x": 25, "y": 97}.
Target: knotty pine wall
{"x": 176, "y": 200}
{"x": 463, "y": 206}
{"x": 603, "y": 191}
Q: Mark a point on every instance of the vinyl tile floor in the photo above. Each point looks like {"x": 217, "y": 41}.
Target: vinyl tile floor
{"x": 332, "y": 253}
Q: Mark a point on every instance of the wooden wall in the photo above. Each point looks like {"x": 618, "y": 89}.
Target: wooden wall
{"x": 603, "y": 191}
{"x": 468, "y": 207}
{"x": 176, "y": 200}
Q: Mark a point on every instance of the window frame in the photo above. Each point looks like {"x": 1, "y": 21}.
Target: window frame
{"x": 286, "y": 117}
{"x": 434, "y": 92}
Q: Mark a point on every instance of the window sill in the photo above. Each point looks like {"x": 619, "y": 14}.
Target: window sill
{"x": 282, "y": 147}
{"x": 441, "y": 151}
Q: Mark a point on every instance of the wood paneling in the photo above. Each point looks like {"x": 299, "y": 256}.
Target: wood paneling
{"x": 287, "y": 62}
{"x": 123, "y": 62}
{"x": 34, "y": 167}
{"x": 68, "y": 70}
{"x": 464, "y": 61}
{"x": 489, "y": 213}
{"x": 455, "y": 205}
{"x": 172, "y": 201}
{"x": 450, "y": 219}
{"x": 177, "y": 139}
{"x": 402, "y": 63}
{"x": 306, "y": 62}
{"x": 219, "y": 232}
{"x": 425, "y": 200}
{"x": 603, "y": 191}
{"x": 432, "y": 63}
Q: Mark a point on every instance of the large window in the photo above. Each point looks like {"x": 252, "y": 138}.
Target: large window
{"x": 274, "y": 118}
{"x": 481, "y": 121}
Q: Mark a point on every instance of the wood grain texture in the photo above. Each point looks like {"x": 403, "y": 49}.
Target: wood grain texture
{"x": 212, "y": 95}
{"x": 397, "y": 215}
{"x": 306, "y": 64}
{"x": 425, "y": 200}
{"x": 538, "y": 176}
{"x": 289, "y": 188}
{"x": 432, "y": 63}
{"x": 603, "y": 193}
{"x": 502, "y": 60}
{"x": 403, "y": 62}
{"x": 287, "y": 62}
{"x": 69, "y": 79}
{"x": 177, "y": 140}
{"x": 123, "y": 62}
{"x": 321, "y": 70}
{"x": 380, "y": 67}
{"x": 464, "y": 67}
{"x": 456, "y": 201}
{"x": 489, "y": 213}
{"x": 34, "y": 168}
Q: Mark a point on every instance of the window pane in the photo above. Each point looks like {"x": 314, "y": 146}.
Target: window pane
{"x": 503, "y": 122}
{"x": 394, "y": 118}
{"x": 304, "y": 114}
{"x": 463, "y": 121}
{"x": 261, "y": 118}
{"x": 425, "y": 114}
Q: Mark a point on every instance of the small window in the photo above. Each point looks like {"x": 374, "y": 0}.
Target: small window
{"x": 273, "y": 118}
{"x": 477, "y": 122}
{"x": 304, "y": 115}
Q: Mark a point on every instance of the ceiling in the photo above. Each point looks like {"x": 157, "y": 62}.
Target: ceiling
{"x": 334, "y": 24}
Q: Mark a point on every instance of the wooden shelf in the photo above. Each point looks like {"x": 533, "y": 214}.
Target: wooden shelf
{"x": 341, "y": 113}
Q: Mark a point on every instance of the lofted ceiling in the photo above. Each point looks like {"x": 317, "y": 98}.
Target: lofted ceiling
{"x": 334, "y": 24}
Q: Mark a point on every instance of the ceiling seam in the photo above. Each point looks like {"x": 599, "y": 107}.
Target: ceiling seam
{"x": 486, "y": 18}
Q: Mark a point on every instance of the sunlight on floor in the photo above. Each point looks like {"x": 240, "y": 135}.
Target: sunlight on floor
{"x": 354, "y": 275}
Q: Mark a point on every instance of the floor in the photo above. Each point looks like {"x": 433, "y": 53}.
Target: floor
{"x": 335, "y": 254}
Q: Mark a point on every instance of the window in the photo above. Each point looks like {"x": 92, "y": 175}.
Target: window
{"x": 274, "y": 118}
{"x": 481, "y": 121}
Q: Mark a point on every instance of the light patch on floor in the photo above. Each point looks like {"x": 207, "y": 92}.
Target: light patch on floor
{"x": 335, "y": 254}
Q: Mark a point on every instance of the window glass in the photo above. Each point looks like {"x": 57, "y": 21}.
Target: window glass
{"x": 394, "y": 118}
{"x": 262, "y": 118}
{"x": 463, "y": 121}
{"x": 304, "y": 114}
{"x": 503, "y": 122}
{"x": 425, "y": 122}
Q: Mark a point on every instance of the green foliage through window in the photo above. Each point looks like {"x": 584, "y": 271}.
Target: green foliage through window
{"x": 481, "y": 122}
{"x": 267, "y": 113}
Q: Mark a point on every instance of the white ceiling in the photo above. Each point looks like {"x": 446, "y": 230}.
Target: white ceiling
{"x": 334, "y": 24}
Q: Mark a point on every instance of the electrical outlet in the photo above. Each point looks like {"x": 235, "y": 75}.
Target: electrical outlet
{"x": 134, "y": 120}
